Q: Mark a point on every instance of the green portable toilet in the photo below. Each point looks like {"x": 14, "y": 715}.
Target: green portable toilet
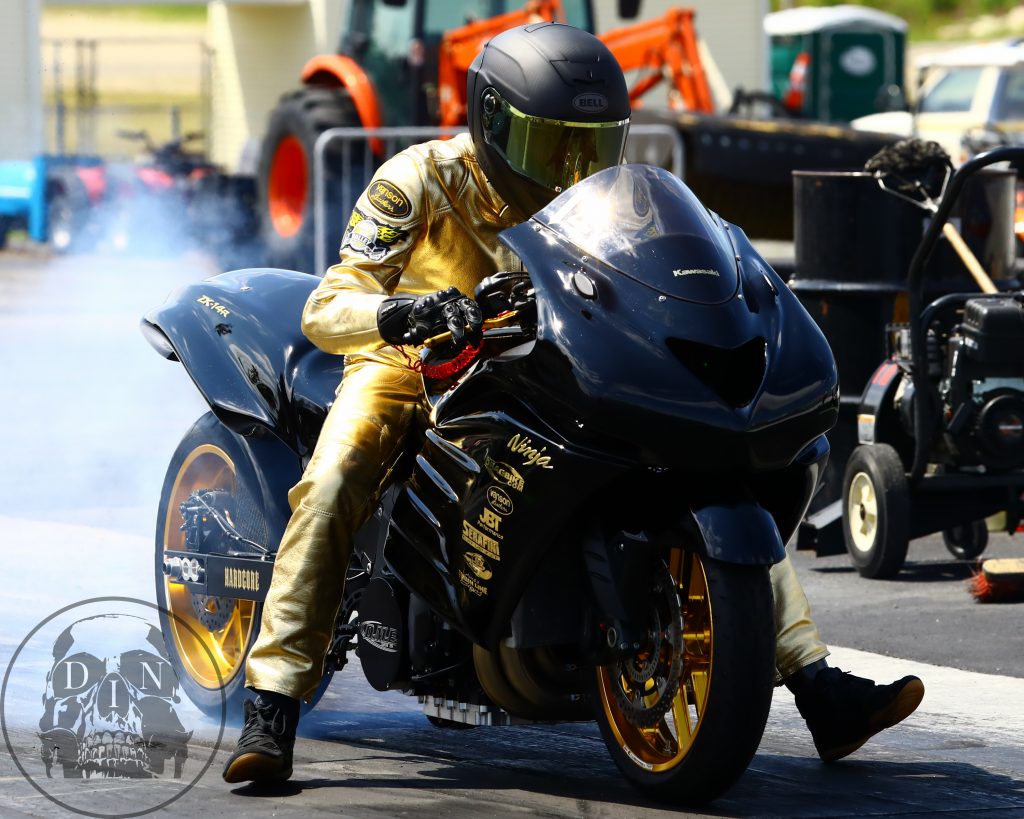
{"x": 836, "y": 64}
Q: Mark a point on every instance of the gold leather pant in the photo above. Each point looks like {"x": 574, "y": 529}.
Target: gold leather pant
{"x": 375, "y": 405}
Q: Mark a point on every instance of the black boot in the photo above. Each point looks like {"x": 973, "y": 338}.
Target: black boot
{"x": 264, "y": 750}
{"x": 843, "y": 711}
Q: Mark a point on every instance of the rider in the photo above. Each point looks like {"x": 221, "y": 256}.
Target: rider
{"x": 547, "y": 106}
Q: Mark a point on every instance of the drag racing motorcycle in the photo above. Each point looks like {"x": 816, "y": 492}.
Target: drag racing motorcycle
{"x": 583, "y": 527}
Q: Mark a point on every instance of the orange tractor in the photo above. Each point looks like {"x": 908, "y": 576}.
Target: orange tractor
{"x": 404, "y": 63}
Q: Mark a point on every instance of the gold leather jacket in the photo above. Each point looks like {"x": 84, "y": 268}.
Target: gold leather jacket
{"x": 428, "y": 220}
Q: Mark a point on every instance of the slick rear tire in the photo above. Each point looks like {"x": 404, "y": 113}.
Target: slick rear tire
{"x": 67, "y": 213}
{"x": 723, "y": 697}
{"x": 876, "y": 511}
{"x": 966, "y": 541}
{"x": 286, "y": 183}
{"x": 208, "y": 639}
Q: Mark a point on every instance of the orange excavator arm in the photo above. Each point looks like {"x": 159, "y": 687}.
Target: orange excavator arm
{"x": 460, "y": 46}
{"x": 666, "y": 49}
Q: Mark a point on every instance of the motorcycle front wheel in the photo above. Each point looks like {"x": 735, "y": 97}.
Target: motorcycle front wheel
{"x": 683, "y": 718}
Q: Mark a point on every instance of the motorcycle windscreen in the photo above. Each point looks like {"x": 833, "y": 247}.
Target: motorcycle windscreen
{"x": 646, "y": 224}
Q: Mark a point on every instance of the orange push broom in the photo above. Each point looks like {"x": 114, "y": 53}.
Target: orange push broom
{"x": 999, "y": 580}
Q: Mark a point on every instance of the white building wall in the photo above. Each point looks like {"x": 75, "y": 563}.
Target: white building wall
{"x": 21, "y": 110}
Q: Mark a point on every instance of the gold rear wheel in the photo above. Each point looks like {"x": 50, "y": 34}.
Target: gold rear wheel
{"x": 207, "y": 638}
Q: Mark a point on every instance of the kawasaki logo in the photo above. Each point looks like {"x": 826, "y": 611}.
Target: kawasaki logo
{"x": 384, "y": 638}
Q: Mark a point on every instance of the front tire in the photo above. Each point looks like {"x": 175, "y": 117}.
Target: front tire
{"x": 706, "y": 738}
{"x": 876, "y": 511}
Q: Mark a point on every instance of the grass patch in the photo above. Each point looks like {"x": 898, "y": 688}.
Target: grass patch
{"x": 161, "y": 13}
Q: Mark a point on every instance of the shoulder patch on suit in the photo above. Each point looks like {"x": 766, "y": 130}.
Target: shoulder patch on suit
{"x": 388, "y": 198}
{"x": 372, "y": 238}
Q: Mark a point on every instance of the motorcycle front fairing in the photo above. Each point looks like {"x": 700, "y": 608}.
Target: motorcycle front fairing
{"x": 606, "y": 395}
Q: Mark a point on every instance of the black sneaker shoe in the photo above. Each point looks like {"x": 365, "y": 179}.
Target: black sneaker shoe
{"x": 843, "y": 711}
{"x": 264, "y": 750}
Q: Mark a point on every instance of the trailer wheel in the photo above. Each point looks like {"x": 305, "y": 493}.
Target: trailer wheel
{"x": 286, "y": 192}
{"x": 876, "y": 511}
{"x": 966, "y": 541}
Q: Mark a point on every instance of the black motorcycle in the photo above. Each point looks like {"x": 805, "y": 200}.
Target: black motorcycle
{"x": 583, "y": 530}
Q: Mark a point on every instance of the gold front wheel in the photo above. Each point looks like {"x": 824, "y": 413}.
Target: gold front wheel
{"x": 683, "y": 716}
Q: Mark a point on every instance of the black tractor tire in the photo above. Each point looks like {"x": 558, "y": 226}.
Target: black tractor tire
{"x": 285, "y": 176}
{"x": 966, "y": 541}
{"x": 728, "y": 722}
{"x": 5, "y": 227}
{"x": 67, "y": 213}
{"x": 876, "y": 511}
{"x": 210, "y": 456}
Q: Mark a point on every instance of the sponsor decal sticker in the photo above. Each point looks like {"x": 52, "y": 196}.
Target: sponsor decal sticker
{"x": 491, "y": 521}
{"x": 590, "y": 102}
{"x": 523, "y": 445}
{"x": 378, "y": 635}
{"x": 478, "y": 565}
{"x": 473, "y": 586}
{"x": 479, "y": 541}
{"x": 504, "y": 474}
{"x": 242, "y": 579}
{"x": 388, "y": 198}
{"x": 373, "y": 239}
{"x": 498, "y": 500}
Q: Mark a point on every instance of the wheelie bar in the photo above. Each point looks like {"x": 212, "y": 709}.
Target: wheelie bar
{"x": 216, "y": 575}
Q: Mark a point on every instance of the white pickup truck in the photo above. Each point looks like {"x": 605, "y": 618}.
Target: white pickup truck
{"x": 977, "y": 88}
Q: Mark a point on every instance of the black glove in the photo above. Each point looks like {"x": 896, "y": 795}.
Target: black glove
{"x": 403, "y": 319}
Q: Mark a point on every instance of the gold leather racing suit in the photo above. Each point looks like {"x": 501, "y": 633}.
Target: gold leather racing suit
{"x": 428, "y": 220}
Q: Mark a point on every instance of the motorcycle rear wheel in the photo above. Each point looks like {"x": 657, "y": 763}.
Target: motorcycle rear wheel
{"x": 209, "y": 660}
{"x": 719, "y": 708}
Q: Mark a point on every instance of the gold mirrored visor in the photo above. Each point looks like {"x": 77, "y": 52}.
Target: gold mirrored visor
{"x": 553, "y": 153}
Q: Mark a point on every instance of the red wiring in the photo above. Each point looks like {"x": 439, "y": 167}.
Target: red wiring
{"x": 449, "y": 368}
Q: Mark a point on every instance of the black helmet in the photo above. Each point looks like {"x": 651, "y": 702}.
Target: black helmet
{"x": 547, "y": 106}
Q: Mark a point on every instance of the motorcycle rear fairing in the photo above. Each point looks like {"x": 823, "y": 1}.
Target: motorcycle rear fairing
{"x": 239, "y": 337}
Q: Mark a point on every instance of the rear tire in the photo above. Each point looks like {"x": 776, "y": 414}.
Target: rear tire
{"x": 876, "y": 511}
{"x": 286, "y": 184}
{"x": 209, "y": 662}
{"x": 67, "y": 214}
{"x": 723, "y": 697}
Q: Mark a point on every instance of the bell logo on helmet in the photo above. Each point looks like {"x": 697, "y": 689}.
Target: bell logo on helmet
{"x": 590, "y": 102}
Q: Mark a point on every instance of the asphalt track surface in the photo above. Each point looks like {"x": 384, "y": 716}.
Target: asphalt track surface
{"x": 89, "y": 418}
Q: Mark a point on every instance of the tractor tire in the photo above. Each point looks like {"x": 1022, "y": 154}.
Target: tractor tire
{"x": 876, "y": 511}
{"x": 286, "y": 184}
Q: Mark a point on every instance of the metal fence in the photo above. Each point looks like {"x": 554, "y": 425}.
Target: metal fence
{"x": 651, "y": 144}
